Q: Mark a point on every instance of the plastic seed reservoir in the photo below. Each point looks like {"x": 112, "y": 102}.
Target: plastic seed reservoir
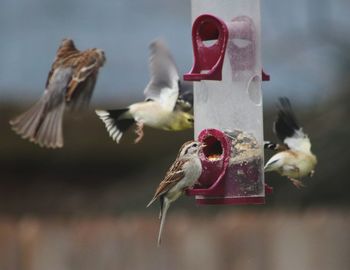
{"x": 245, "y": 165}
{"x": 227, "y": 75}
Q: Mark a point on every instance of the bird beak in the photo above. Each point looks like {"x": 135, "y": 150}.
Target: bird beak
{"x": 202, "y": 145}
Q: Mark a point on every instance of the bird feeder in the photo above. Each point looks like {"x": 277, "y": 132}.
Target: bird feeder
{"x": 227, "y": 75}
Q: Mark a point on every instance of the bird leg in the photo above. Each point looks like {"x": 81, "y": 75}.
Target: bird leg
{"x": 311, "y": 174}
{"x": 139, "y": 132}
{"x": 297, "y": 183}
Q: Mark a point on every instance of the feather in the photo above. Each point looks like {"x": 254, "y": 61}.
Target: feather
{"x": 164, "y": 84}
{"x": 37, "y": 123}
{"x": 164, "y": 209}
{"x": 286, "y": 124}
{"x": 116, "y": 121}
{"x": 172, "y": 177}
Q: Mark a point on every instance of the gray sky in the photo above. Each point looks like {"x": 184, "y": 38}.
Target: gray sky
{"x": 299, "y": 64}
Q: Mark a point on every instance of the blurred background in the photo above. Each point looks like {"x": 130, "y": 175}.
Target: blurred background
{"x": 83, "y": 207}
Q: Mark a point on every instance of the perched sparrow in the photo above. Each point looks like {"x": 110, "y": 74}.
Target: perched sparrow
{"x": 183, "y": 174}
{"x": 70, "y": 83}
{"x": 164, "y": 108}
{"x": 295, "y": 159}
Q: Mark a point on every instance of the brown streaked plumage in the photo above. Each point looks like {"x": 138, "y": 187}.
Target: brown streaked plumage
{"x": 172, "y": 177}
{"x": 70, "y": 84}
{"x": 183, "y": 174}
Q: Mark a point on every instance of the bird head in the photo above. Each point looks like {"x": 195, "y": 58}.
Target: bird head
{"x": 67, "y": 44}
{"x": 100, "y": 56}
{"x": 191, "y": 148}
{"x": 66, "y": 48}
{"x": 187, "y": 120}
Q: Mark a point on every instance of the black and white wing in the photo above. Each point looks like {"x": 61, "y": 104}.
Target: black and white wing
{"x": 185, "y": 100}
{"x": 287, "y": 128}
{"x": 164, "y": 84}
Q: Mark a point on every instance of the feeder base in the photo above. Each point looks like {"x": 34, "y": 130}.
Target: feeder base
{"x": 238, "y": 201}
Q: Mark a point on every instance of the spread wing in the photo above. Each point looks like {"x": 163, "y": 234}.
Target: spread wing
{"x": 86, "y": 65}
{"x": 286, "y": 126}
{"x": 164, "y": 84}
{"x": 83, "y": 93}
{"x": 173, "y": 176}
{"x": 64, "y": 51}
{"x": 185, "y": 99}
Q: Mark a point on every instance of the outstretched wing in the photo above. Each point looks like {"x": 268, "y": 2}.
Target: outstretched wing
{"x": 286, "y": 127}
{"x": 86, "y": 66}
{"x": 82, "y": 94}
{"x": 164, "y": 84}
{"x": 66, "y": 49}
{"x": 185, "y": 99}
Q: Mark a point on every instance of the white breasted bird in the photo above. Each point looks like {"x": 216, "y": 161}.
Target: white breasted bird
{"x": 70, "y": 84}
{"x": 183, "y": 174}
{"x": 295, "y": 160}
{"x": 164, "y": 107}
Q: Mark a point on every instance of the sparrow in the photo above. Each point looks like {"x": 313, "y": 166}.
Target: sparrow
{"x": 70, "y": 84}
{"x": 168, "y": 102}
{"x": 182, "y": 174}
{"x": 294, "y": 159}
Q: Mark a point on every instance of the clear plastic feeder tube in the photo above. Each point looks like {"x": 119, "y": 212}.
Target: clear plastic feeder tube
{"x": 234, "y": 103}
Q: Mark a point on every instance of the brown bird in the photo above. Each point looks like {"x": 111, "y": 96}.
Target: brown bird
{"x": 184, "y": 173}
{"x": 70, "y": 83}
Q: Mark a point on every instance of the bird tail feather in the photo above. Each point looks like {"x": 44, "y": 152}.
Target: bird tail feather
{"x": 152, "y": 201}
{"x": 164, "y": 209}
{"x": 41, "y": 126}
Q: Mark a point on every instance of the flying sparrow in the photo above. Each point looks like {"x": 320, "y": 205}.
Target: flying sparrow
{"x": 70, "y": 84}
{"x": 183, "y": 174}
{"x": 295, "y": 159}
{"x": 164, "y": 108}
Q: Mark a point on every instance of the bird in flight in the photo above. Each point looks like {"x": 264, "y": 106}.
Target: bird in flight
{"x": 70, "y": 84}
{"x": 168, "y": 103}
{"x": 294, "y": 159}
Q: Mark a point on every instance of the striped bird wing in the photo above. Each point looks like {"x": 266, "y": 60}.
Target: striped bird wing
{"x": 85, "y": 65}
{"x": 83, "y": 93}
{"x": 173, "y": 176}
{"x": 66, "y": 50}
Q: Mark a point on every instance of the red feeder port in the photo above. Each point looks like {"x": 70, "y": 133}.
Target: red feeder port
{"x": 239, "y": 36}
{"x": 208, "y": 59}
{"x": 225, "y": 182}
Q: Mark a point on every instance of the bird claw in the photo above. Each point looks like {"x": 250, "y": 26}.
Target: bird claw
{"x": 297, "y": 183}
{"x": 311, "y": 174}
{"x": 139, "y": 132}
